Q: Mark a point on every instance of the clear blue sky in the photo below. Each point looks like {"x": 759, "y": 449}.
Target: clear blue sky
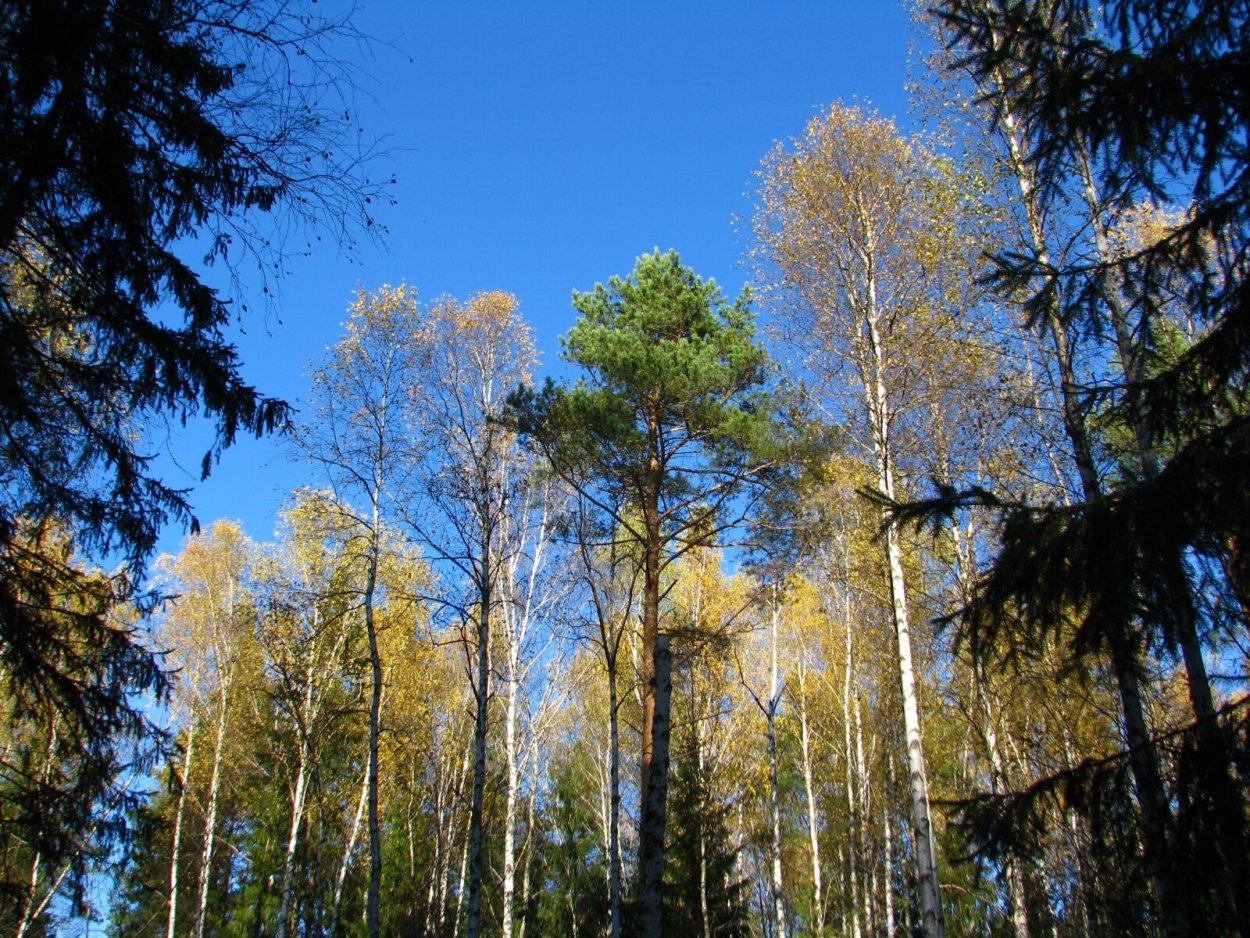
{"x": 541, "y": 147}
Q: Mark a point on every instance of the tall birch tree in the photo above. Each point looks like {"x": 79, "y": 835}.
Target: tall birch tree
{"x": 357, "y": 434}
{"x": 859, "y": 238}
{"x": 471, "y": 476}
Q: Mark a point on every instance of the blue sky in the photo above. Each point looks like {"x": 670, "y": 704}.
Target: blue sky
{"x": 540, "y": 148}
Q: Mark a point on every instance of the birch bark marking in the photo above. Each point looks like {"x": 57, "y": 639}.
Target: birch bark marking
{"x": 877, "y": 401}
{"x": 774, "y": 798}
{"x": 214, "y": 788}
{"x": 813, "y": 810}
{"x": 176, "y": 848}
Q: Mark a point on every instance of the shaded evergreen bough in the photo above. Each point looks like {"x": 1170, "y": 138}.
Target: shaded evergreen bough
{"x": 131, "y": 128}
{"x": 1150, "y": 97}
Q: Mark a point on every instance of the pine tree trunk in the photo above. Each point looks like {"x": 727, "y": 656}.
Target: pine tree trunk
{"x": 651, "y": 846}
{"x": 656, "y": 716}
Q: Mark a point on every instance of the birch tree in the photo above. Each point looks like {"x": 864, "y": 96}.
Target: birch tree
{"x": 211, "y": 630}
{"x": 859, "y": 239}
{"x": 471, "y": 474}
{"x": 306, "y": 636}
{"x": 357, "y": 434}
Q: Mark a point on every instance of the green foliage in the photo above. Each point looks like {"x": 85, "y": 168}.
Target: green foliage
{"x": 70, "y": 727}
{"x": 700, "y": 851}
{"x": 573, "y": 898}
{"x": 133, "y": 127}
{"x": 1141, "y": 96}
{"x": 674, "y": 378}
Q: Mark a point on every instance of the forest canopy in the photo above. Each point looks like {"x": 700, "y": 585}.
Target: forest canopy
{"x": 906, "y": 592}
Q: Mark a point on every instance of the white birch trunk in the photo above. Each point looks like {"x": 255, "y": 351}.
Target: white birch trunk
{"x": 813, "y": 815}
{"x": 774, "y": 798}
{"x": 346, "y": 861}
{"x": 880, "y": 416}
{"x": 512, "y": 784}
{"x": 176, "y": 848}
{"x": 888, "y": 877}
{"x": 299, "y": 794}
{"x": 863, "y": 786}
{"x": 854, "y": 764}
{"x": 210, "y": 813}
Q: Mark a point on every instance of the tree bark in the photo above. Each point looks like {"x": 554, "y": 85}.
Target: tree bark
{"x": 512, "y": 784}
{"x": 373, "y": 903}
{"x": 651, "y": 837}
{"x": 774, "y": 795}
{"x": 176, "y": 848}
{"x": 813, "y": 810}
{"x": 210, "y": 813}
{"x": 614, "y": 807}
{"x": 482, "y": 699}
{"x": 345, "y": 863}
{"x": 880, "y": 417}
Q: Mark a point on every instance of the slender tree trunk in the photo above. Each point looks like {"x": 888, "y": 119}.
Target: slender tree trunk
{"x": 482, "y": 695}
{"x": 880, "y": 417}
{"x": 705, "y": 911}
{"x": 656, "y": 714}
{"x": 31, "y": 907}
{"x": 464, "y": 878}
{"x": 854, "y": 769}
{"x": 862, "y": 784}
{"x": 526, "y": 868}
{"x": 298, "y": 799}
{"x": 774, "y": 795}
{"x": 614, "y": 807}
{"x": 373, "y": 902}
{"x": 345, "y": 862}
{"x": 887, "y": 837}
{"x": 210, "y": 814}
{"x": 438, "y": 875}
{"x": 813, "y": 810}
{"x": 176, "y": 849}
{"x": 651, "y": 848}
{"x": 512, "y": 783}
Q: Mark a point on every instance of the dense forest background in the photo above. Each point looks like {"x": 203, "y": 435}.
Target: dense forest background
{"x": 920, "y": 609}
